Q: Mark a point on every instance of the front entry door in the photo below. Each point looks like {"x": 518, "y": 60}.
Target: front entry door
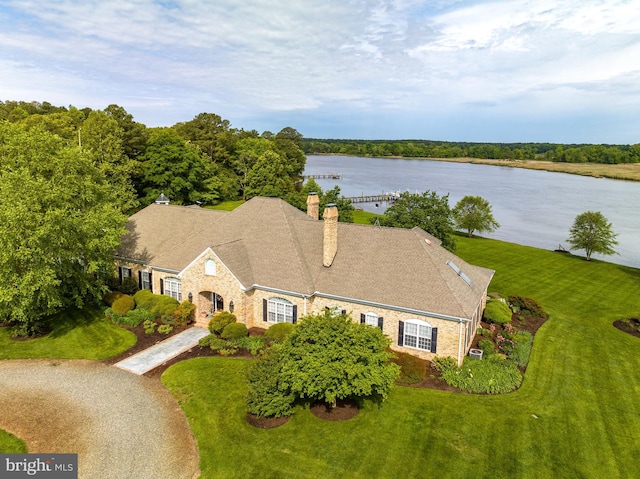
{"x": 217, "y": 302}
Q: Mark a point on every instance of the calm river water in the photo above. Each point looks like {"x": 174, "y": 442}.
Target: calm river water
{"x": 534, "y": 208}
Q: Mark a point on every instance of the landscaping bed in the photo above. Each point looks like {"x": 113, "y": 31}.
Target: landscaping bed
{"x": 630, "y": 326}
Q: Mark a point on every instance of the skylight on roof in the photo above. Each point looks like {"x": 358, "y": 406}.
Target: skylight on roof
{"x": 459, "y": 272}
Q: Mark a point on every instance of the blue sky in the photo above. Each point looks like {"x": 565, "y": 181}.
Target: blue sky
{"x": 497, "y": 71}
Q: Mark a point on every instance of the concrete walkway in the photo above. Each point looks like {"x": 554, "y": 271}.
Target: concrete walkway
{"x": 162, "y": 352}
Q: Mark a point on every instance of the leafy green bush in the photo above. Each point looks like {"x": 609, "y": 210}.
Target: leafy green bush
{"x": 485, "y": 333}
{"x": 527, "y": 306}
{"x": 493, "y": 375}
{"x": 522, "y": 348}
{"x": 136, "y": 317}
{"x": 234, "y": 331}
{"x": 487, "y": 346}
{"x": 144, "y": 299}
{"x": 412, "y": 369}
{"x": 279, "y": 332}
{"x": 129, "y": 286}
{"x": 111, "y": 296}
{"x": 253, "y": 344}
{"x": 150, "y": 327}
{"x": 497, "y": 312}
{"x": 183, "y": 314}
{"x": 165, "y": 328}
{"x": 159, "y": 304}
{"x": 220, "y": 320}
{"x": 443, "y": 364}
{"x": 268, "y": 396}
{"x": 112, "y": 316}
{"x": 123, "y": 304}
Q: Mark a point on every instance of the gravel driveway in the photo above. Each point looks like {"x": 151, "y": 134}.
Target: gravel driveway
{"x": 120, "y": 424}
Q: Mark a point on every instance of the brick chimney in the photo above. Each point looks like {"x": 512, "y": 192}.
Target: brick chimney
{"x": 330, "y": 240}
{"x": 313, "y": 206}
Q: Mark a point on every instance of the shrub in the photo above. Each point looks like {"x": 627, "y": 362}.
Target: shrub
{"x": 485, "y": 333}
{"x": 267, "y": 395}
{"x": 136, "y": 317}
{"x": 253, "y": 344}
{"x": 443, "y": 364}
{"x": 164, "y": 305}
{"x": 234, "y": 331}
{"x": 113, "y": 316}
{"x": 491, "y": 376}
{"x": 527, "y": 306}
{"x": 497, "y": 312}
{"x": 123, "y": 305}
{"x": 220, "y": 320}
{"x": 522, "y": 348}
{"x": 412, "y": 369}
{"x": 128, "y": 286}
{"x": 110, "y": 297}
{"x": 487, "y": 347}
{"x": 183, "y": 314}
{"x": 165, "y": 328}
{"x": 144, "y": 299}
{"x": 279, "y": 332}
{"x": 150, "y": 327}
{"x": 213, "y": 341}
{"x": 159, "y": 304}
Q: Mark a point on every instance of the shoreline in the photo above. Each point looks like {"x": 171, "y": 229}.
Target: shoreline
{"x": 622, "y": 171}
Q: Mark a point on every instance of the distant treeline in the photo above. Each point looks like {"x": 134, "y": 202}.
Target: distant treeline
{"x": 575, "y": 153}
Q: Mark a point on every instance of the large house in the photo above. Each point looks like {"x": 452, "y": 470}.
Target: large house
{"x": 268, "y": 262}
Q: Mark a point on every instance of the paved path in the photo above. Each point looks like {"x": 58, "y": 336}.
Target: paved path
{"x": 121, "y": 425}
{"x": 162, "y": 352}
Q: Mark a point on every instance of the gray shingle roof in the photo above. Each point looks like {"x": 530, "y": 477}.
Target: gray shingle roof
{"x": 269, "y": 243}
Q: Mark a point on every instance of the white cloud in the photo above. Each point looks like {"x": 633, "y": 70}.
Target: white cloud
{"x": 412, "y": 56}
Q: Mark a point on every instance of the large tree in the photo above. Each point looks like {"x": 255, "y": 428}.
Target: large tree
{"x": 427, "y": 210}
{"x": 60, "y": 221}
{"x": 327, "y": 357}
{"x": 179, "y": 170}
{"x": 593, "y": 233}
{"x": 473, "y": 213}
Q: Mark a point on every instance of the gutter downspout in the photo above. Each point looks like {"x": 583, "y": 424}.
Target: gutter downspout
{"x": 460, "y": 343}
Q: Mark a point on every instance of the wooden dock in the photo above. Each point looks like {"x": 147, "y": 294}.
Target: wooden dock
{"x": 329, "y": 176}
{"x": 381, "y": 198}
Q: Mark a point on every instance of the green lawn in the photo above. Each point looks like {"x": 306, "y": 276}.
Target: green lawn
{"x": 226, "y": 205}
{"x": 78, "y": 334}
{"x": 577, "y": 413}
{"x": 10, "y": 444}
{"x": 363, "y": 217}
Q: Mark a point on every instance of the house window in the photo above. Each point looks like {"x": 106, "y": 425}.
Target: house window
{"x": 280, "y": 311}
{"x": 417, "y": 334}
{"x": 125, "y": 272}
{"x": 145, "y": 280}
{"x": 173, "y": 288}
{"x": 372, "y": 319}
{"x": 210, "y": 267}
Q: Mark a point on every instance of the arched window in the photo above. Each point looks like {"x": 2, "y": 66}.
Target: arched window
{"x": 210, "y": 267}
{"x": 417, "y": 334}
{"x": 173, "y": 288}
{"x": 280, "y": 311}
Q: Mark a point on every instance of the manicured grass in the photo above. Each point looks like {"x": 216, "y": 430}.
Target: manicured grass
{"x": 226, "y": 205}
{"x": 362, "y": 217}
{"x": 577, "y": 413}
{"x": 77, "y": 334}
{"x": 10, "y": 444}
